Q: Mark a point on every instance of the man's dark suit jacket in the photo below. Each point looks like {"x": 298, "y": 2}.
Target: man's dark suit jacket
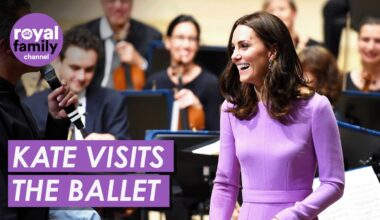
{"x": 139, "y": 35}
{"x": 106, "y": 111}
{"x": 17, "y": 123}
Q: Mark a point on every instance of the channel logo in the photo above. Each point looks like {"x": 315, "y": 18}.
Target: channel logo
{"x": 36, "y": 39}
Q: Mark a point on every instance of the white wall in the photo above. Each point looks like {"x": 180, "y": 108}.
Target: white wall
{"x": 215, "y": 16}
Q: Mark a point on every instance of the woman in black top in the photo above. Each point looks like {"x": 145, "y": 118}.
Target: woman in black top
{"x": 196, "y": 88}
{"x": 367, "y": 79}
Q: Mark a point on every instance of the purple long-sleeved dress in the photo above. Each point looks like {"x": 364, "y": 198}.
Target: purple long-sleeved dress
{"x": 277, "y": 163}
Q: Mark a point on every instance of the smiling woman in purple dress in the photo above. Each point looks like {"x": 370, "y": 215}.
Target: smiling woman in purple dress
{"x": 274, "y": 130}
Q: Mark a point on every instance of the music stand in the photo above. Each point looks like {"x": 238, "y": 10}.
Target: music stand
{"x": 359, "y": 144}
{"x": 193, "y": 172}
{"x": 360, "y": 108}
{"x": 211, "y": 58}
{"x": 185, "y": 140}
{"x": 148, "y": 109}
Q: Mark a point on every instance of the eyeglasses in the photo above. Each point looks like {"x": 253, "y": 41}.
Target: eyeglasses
{"x": 114, "y": 1}
{"x": 182, "y": 38}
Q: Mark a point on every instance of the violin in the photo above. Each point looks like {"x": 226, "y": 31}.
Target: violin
{"x": 128, "y": 77}
{"x": 367, "y": 82}
{"x": 191, "y": 118}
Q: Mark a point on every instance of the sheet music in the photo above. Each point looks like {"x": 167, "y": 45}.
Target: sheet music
{"x": 361, "y": 198}
{"x": 211, "y": 149}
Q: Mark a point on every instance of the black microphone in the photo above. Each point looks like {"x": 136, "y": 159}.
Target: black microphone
{"x": 49, "y": 75}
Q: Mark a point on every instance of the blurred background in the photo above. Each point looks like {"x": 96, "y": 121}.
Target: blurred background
{"x": 215, "y": 17}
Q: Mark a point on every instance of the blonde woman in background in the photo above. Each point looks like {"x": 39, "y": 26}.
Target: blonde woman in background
{"x": 286, "y": 10}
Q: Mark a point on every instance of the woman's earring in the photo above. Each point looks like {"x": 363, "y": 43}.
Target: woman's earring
{"x": 270, "y": 65}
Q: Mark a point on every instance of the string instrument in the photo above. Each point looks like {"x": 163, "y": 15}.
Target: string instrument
{"x": 191, "y": 117}
{"x": 128, "y": 76}
{"x": 367, "y": 82}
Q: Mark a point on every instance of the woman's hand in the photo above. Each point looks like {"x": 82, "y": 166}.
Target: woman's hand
{"x": 186, "y": 98}
{"x": 236, "y": 212}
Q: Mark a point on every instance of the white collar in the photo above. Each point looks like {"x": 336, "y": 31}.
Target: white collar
{"x": 106, "y": 31}
{"x": 105, "y": 28}
{"x": 82, "y": 94}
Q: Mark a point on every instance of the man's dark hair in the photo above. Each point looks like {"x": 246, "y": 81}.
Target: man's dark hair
{"x": 10, "y": 12}
{"x": 81, "y": 38}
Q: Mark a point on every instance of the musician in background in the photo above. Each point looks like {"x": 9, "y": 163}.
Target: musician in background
{"x": 103, "y": 110}
{"x": 196, "y": 88}
{"x": 125, "y": 42}
{"x": 286, "y": 10}
{"x": 321, "y": 71}
{"x": 367, "y": 78}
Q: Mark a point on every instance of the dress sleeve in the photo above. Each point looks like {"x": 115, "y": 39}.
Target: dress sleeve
{"x": 328, "y": 151}
{"x": 227, "y": 180}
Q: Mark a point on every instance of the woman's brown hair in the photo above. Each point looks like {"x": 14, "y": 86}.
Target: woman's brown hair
{"x": 321, "y": 63}
{"x": 282, "y": 83}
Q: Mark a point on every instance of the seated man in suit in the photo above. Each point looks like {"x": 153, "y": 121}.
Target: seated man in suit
{"x": 103, "y": 110}
{"x": 125, "y": 41}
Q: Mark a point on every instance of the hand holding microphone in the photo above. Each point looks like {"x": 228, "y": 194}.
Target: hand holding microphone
{"x": 62, "y": 101}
